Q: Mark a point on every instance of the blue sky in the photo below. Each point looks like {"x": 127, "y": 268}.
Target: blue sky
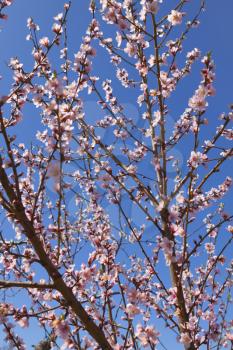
{"x": 214, "y": 33}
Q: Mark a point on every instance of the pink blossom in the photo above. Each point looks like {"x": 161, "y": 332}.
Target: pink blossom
{"x": 197, "y": 158}
{"x": 44, "y": 41}
{"x": 175, "y": 17}
{"x": 177, "y": 230}
{"x": 229, "y": 336}
{"x": 198, "y": 101}
{"x": 152, "y": 6}
{"x": 185, "y": 339}
{"x": 132, "y": 310}
{"x": 210, "y": 248}
{"x": 61, "y": 328}
{"x": 147, "y": 335}
{"x": 57, "y": 28}
{"x": 194, "y": 54}
{"x": 23, "y": 322}
{"x": 131, "y": 49}
{"x": 180, "y": 198}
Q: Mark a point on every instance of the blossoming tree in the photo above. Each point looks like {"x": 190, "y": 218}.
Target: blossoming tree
{"x": 92, "y": 273}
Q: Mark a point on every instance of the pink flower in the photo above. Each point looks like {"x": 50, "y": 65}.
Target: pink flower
{"x": 177, "y": 230}
{"x": 230, "y": 228}
{"x": 132, "y": 310}
{"x": 122, "y": 24}
{"x": 131, "y": 49}
{"x": 228, "y": 133}
{"x": 229, "y": 336}
{"x": 167, "y": 246}
{"x": 175, "y": 17}
{"x": 197, "y": 158}
{"x": 185, "y": 339}
{"x": 209, "y": 247}
{"x": 61, "y": 328}
{"x": 44, "y": 41}
{"x": 198, "y": 102}
{"x": 194, "y": 54}
{"x": 31, "y": 24}
{"x": 152, "y": 6}
{"x": 147, "y": 335}
{"x": 142, "y": 68}
{"x": 23, "y": 322}
{"x": 57, "y": 28}
{"x": 172, "y": 299}
{"x": 180, "y": 199}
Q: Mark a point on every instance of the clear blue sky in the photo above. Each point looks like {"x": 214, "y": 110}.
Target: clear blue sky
{"x": 215, "y": 33}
